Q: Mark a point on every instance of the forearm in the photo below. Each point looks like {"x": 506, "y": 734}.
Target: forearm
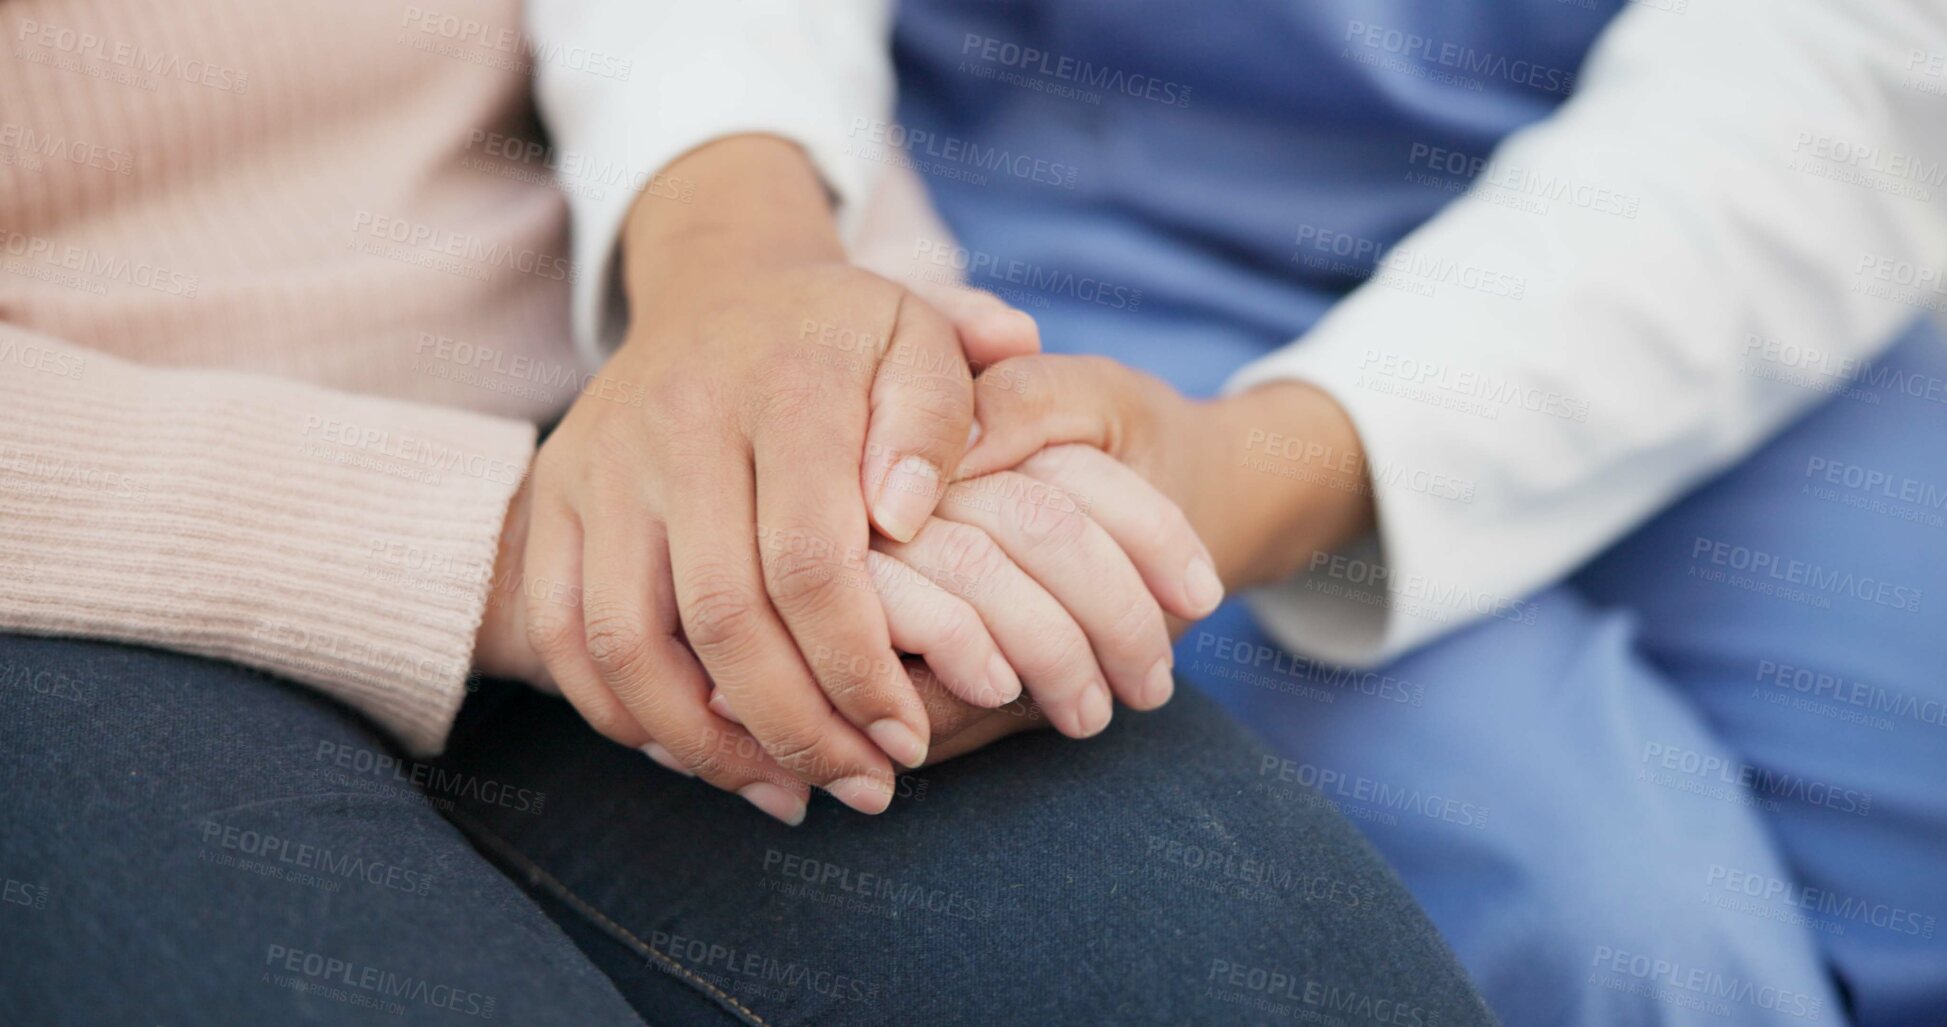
{"x": 342, "y": 541}
{"x": 1290, "y": 480}
{"x": 758, "y": 201}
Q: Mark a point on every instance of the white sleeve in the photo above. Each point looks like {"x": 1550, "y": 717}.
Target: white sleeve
{"x": 626, "y": 86}
{"x": 1740, "y": 206}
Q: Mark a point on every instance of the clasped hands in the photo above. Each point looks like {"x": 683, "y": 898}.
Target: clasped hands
{"x": 726, "y": 576}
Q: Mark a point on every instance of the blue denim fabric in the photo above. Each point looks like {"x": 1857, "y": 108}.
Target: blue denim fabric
{"x": 184, "y": 841}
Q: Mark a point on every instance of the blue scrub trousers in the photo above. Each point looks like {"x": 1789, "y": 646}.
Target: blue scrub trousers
{"x": 1705, "y": 780}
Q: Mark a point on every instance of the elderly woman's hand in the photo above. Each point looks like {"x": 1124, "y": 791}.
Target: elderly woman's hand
{"x": 790, "y": 403}
{"x": 1267, "y": 477}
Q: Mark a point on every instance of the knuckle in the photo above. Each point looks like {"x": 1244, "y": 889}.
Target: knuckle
{"x": 956, "y": 626}
{"x": 1064, "y": 655}
{"x": 703, "y": 759}
{"x": 550, "y": 629}
{"x": 801, "y": 578}
{"x": 1049, "y": 525}
{"x": 791, "y": 400}
{"x": 616, "y": 724}
{"x": 617, "y": 638}
{"x": 720, "y": 618}
{"x": 968, "y": 553}
{"x": 848, "y": 685}
{"x": 802, "y": 753}
{"x": 937, "y": 409}
{"x": 1138, "y": 626}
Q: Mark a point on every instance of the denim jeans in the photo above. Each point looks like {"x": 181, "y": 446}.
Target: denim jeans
{"x": 186, "y": 841}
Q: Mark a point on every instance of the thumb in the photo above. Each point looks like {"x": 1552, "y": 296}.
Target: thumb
{"x": 1025, "y": 404}
{"x": 990, "y": 329}
{"x": 920, "y": 419}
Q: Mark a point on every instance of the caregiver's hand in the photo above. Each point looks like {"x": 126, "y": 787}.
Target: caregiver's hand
{"x": 770, "y": 411}
{"x": 1267, "y": 477}
{"x": 1069, "y": 573}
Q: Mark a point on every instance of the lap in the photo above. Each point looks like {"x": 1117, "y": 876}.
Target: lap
{"x": 182, "y": 836}
{"x": 1797, "y": 601}
{"x": 1153, "y": 874}
{"x": 1530, "y": 782}
{"x": 195, "y": 841}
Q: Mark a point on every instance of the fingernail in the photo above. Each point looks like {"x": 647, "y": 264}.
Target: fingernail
{"x": 1002, "y": 679}
{"x": 1095, "y": 709}
{"x": 1158, "y": 686}
{"x": 721, "y": 707}
{"x": 662, "y": 756}
{"x": 906, "y": 498}
{"x": 898, "y": 741}
{"x": 973, "y": 434}
{"x": 865, "y": 794}
{"x": 775, "y": 801}
{"x": 1201, "y": 586}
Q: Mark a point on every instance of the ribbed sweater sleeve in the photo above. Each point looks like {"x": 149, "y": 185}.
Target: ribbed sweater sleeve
{"x": 342, "y": 541}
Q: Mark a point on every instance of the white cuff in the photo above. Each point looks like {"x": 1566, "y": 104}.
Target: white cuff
{"x": 696, "y": 72}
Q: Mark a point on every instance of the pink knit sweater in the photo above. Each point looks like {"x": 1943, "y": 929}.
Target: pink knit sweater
{"x": 277, "y": 316}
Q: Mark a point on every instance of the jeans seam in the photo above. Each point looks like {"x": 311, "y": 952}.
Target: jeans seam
{"x": 536, "y": 874}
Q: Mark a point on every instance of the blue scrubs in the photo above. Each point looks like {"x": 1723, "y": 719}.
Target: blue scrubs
{"x": 1703, "y": 783}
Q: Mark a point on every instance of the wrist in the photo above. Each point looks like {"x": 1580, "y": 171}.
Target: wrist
{"x": 1297, "y": 481}
{"x": 758, "y": 202}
